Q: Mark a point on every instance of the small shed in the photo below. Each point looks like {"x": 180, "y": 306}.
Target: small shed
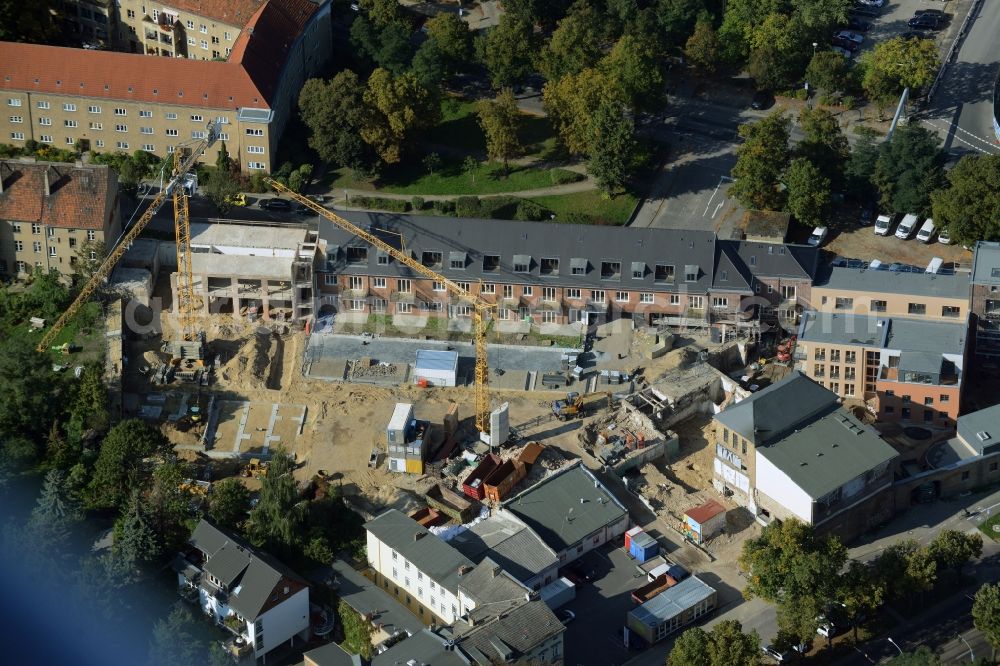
{"x": 704, "y": 522}
{"x": 558, "y": 593}
{"x": 643, "y": 547}
{"x": 629, "y": 535}
{"x": 435, "y": 368}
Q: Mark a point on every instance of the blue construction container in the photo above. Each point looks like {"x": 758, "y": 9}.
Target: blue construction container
{"x": 644, "y": 547}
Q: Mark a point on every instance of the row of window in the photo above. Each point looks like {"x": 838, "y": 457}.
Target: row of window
{"x": 929, "y": 400}
{"x": 36, "y": 230}
{"x": 172, "y": 18}
{"x": 876, "y": 305}
{"x": 819, "y": 354}
{"x": 819, "y": 370}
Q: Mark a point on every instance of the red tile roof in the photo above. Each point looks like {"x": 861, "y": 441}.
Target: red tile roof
{"x": 704, "y": 513}
{"x": 80, "y": 196}
{"x": 231, "y": 12}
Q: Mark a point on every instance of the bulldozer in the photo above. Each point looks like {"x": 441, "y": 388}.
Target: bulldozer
{"x": 574, "y": 406}
{"x": 256, "y": 469}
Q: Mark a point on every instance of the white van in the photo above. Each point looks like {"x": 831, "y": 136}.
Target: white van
{"x": 907, "y": 226}
{"x": 882, "y": 225}
{"x": 926, "y": 231}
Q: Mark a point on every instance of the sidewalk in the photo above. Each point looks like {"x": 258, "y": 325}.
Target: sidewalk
{"x": 569, "y": 188}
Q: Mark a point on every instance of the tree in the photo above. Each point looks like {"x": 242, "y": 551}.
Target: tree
{"x": 382, "y": 12}
{"x": 824, "y": 144}
{"x": 176, "y": 640}
{"x": 167, "y": 505}
{"x": 986, "y": 612}
{"x": 575, "y": 45}
{"x": 906, "y": 569}
{"x": 777, "y": 55}
{"x": 334, "y": 113}
{"x": 276, "y": 522}
{"x": 789, "y": 559}
{"x": 89, "y": 408}
{"x": 429, "y": 66}
{"x": 451, "y": 36}
{"x": 32, "y": 393}
{"x": 135, "y": 541}
{"x": 922, "y": 656}
{"x": 808, "y": 192}
{"x": 951, "y": 549}
{"x": 860, "y": 166}
{"x": 89, "y": 257}
{"x": 908, "y": 169}
{"x": 222, "y": 186}
{"x": 861, "y": 592}
{"x": 573, "y": 101}
{"x": 635, "y": 65}
{"x": 30, "y": 22}
{"x": 499, "y": 122}
{"x": 969, "y": 208}
{"x": 222, "y": 160}
{"x": 56, "y": 510}
{"x": 118, "y": 469}
{"x": 829, "y": 71}
{"x": 129, "y": 176}
{"x": 899, "y": 63}
{"x": 432, "y": 162}
{"x": 394, "y": 51}
{"x": 729, "y": 645}
{"x": 702, "y": 48}
{"x": 613, "y": 148}
{"x": 507, "y": 50}
{"x": 357, "y": 630}
{"x": 396, "y": 107}
{"x": 690, "y": 649}
{"x": 760, "y": 161}
{"x": 229, "y": 502}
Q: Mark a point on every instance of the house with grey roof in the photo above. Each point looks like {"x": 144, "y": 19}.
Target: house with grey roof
{"x": 424, "y": 647}
{"x": 571, "y": 511}
{"x": 672, "y": 609}
{"x": 792, "y": 451}
{"x": 970, "y": 459}
{"x": 528, "y": 632}
{"x": 985, "y": 300}
{"x": 513, "y": 545}
{"x": 261, "y": 601}
{"x": 556, "y": 273}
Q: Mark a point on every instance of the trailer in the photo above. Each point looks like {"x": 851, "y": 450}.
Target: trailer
{"x": 499, "y": 482}
{"x": 649, "y": 591}
{"x": 473, "y": 484}
{"x": 459, "y": 508}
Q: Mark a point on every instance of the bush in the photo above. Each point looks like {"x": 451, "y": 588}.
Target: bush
{"x": 444, "y": 207}
{"x": 529, "y": 210}
{"x": 849, "y": 102}
{"x": 468, "y": 207}
{"x": 802, "y": 94}
{"x": 562, "y": 176}
{"x": 257, "y": 184}
{"x": 417, "y": 203}
{"x": 381, "y": 203}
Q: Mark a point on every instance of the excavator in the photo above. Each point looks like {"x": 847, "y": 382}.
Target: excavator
{"x": 574, "y": 405}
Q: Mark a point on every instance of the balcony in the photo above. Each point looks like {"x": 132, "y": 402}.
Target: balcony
{"x": 151, "y": 34}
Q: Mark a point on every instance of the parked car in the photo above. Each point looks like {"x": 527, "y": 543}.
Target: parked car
{"x": 926, "y": 231}
{"x": 931, "y": 12}
{"x": 883, "y": 225}
{"x": 275, "y": 204}
{"x": 944, "y": 237}
{"x": 846, "y": 44}
{"x": 238, "y": 199}
{"x": 566, "y": 616}
{"x": 859, "y": 24}
{"x": 842, "y": 51}
{"x": 818, "y": 236}
{"x": 827, "y": 628}
{"x": 916, "y": 34}
{"x": 762, "y": 99}
{"x": 863, "y": 10}
{"x": 849, "y": 35}
{"x": 867, "y": 217}
{"x": 871, "y": 3}
{"x": 780, "y": 657}
{"x": 907, "y": 226}
{"x": 927, "y": 22}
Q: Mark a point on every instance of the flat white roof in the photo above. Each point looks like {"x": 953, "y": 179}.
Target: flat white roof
{"x": 247, "y": 235}
{"x": 400, "y": 415}
{"x": 432, "y": 359}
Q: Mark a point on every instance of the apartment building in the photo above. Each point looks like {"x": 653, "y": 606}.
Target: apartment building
{"x": 791, "y": 451}
{"x": 985, "y": 301}
{"x": 49, "y": 210}
{"x": 895, "y": 340}
{"x": 91, "y": 22}
{"x": 106, "y": 101}
{"x": 551, "y": 273}
{"x": 197, "y": 29}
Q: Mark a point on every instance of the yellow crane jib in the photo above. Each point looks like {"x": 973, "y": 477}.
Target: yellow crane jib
{"x": 125, "y": 241}
{"x": 480, "y": 308}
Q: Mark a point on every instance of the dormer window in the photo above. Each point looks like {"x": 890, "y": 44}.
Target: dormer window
{"x": 548, "y": 266}
{"x": 522, "y": 263}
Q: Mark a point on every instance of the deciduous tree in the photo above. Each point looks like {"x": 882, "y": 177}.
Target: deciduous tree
{"x": 499, "y": 121}
{"x": 808, "y": 192}
{"x": 635, "y": 65}
{"x": 789, "y": 559}
{"x": 760, "y": 162}
{"x": 861, "y": 592}
{"x": 229, "y": 503}
{"x": 31, "y": 22}
{"x": 612, "y": 148}
{"x": 451, "y": 36}
{"x": 276, "y": 522}
{"x": 334, "y": 113}
{"x": 824, "y": 144}
{"x": 952, "y": 549}
{"x": 729, "y": 645}
{"x": 396, "y": 107}
{"x": 986, "y": 612}
{"x": 829, "y": 71}
{"x": 572, "y": 102}
{"x": 222, "y": 187}
{"x": 508, "y": 49}
{"x": 969, "y": 207}
{"x": 899, "y": 63}
{"x": 702, "y": 48}
{"x": 690, "y": 649}
{"x": 575, "y": 45}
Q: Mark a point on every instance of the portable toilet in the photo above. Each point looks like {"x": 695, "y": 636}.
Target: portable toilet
{"x": 644, "y": 547}
{"x": 628, "y": 537}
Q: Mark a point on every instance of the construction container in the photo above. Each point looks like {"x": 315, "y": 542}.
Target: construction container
{"x": 643, "y": 547}
{"x": 458, "y": 507}
{"x": 558, "y": 593}
{"x": 435, "y": 368}
{"x": 499, "y": 482}
{"x": 628, "y": 537}
{"x": 652, "y": 589}
{"x": 473, "y": 484}
{"x": 402, "y": 415}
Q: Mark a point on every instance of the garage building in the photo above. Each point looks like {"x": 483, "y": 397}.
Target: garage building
{"x": 435, "y": 368}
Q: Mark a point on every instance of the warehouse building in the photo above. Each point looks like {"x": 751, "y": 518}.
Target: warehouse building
{"x": 677, "y": 607}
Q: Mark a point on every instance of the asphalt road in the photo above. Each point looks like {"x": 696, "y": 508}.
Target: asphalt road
{"x": 962, "y": 107}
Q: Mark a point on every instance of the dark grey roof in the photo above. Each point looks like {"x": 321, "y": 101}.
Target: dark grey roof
{"x": 573, "y": 245}
{"x": 423, "y": 647}
{"x": 331, "y": 654}
{"x": 955, "y": 285}
{"x": 986, "y": 263}
{"x": 672, "y": 602}
{"x": 512, "y": 545}
{"x": 554, "y": 510}
{"x": 366, "y": 598}
{"x": 518, "y": 631}
{"x": 252, "y": 577}
{"x": 926, "y": 362}
{"x": 843, "y": 329}
{"x": 731, "y": 274}
{"x": 926, "y": 336}
{"x": 416, "y": 543}
{"x": 981, "y": 429}
{"x": 823, "y": 454}
{"x": 493, "y": 590}
{"x": 778, "y": 409}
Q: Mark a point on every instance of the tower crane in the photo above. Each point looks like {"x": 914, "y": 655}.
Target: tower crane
{"x": 480, "y": 308}
{"x": 186, "y": 305}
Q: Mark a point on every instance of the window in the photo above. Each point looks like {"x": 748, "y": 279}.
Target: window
{"x": 145, "y": 114}
{"x": 819, "y": 370}
{"x": 20, "y": 266}
{"x": 788, "y": 292}
{"x": 69, "y": 123}
{"x": 149, "y": 148}
{"x": 16, "y": 119}
{"x": 691, "y": 273}
{"x": 121, "y": 128}
{"x": 121, "y": 145}
{"x": 943, "y": 397}
{"x": 720, "y": 302}
{"x": 638, "y": 270}
{"x": 203, "y": 44}
{"x": 850, "y": 373}
{"x": 93, "y": 109}
{"x": 850, "y": 357}
{"x": 357, "y": 305}
{"x": 508, "y": 291}
{"x": 950, "y": 310}
{"x": 121, "y": 112}
{"x": 145, "y": 130}
{"x": 190, "y": 25}
{"x": 256, "y": 150}
{"x": 522, "y": 263}
{"x": 597, "y": 295}
{"x": 203, "y": 28}
{"x": 171, "y": 131}
{"x": 457, "y": 263}
{"x": 611, "y": 270}
{"x": 621, "y": 297}
{"x": 663, "y": 273}
{"x": 13, "y": 101}
{"x": 37, "y": 246}
{"x": 171, "y": 115}
{"x": 835, "y": 387}
{"x": 197, "y": 118}
{"x": 916, "y": 308}
{"x": 696, "y": 302}
{"x": 403, "y": 286}
{"x": 905, "y": 398}
{"x": 36, "y": 229}
{"x": 378, "y": 283}
{"x": 438, "y": 286}
{"x": 378, "y": 304}
{"x": 199, "y": 134}
{"x": 928, "y": 401}
{"x": 52, "y": 250}
{"x": 191, "y": 42}
{"x": 70, "y": 141}
{"x": 227, "y": 36}
{"x": 17, "y": 136}
{"x": 99, "y": 143}
{"x": 573, "y": 293}
{"x": 527, "y": 291}
{"x": 548, "y": 266}
{"x": 488, "y": 288}
{"x": 215, "y": 40}
{"x": 549, "y": 317}
{"x": 18, "y": 246}
{"x": 844, "y": 303}
{"x": 834, "y": 356}
{"x": 675, "y": 299}
{"x": 252, "y": 131}
{"x": 548, "y": 293}
{"x": 42, "y": 104}
{"x": 645, "y": 297}
{"x": 330, "y": 280}
{"x": 257, "y": 166}
{"x": 97, "y": 126}
{"x": 45, "y": 121}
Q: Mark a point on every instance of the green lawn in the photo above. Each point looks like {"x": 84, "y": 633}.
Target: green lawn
{"x": 451, "y": 178}
{"x": 987, "y": 527}
{"x": 590, "y": 207}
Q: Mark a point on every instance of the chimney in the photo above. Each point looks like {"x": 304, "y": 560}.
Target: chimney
{"x": 496, "y": 570}
{"x": 48, "y": 185}
{"x": 419, "y": 535}
{"x": 464, "y": 569}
